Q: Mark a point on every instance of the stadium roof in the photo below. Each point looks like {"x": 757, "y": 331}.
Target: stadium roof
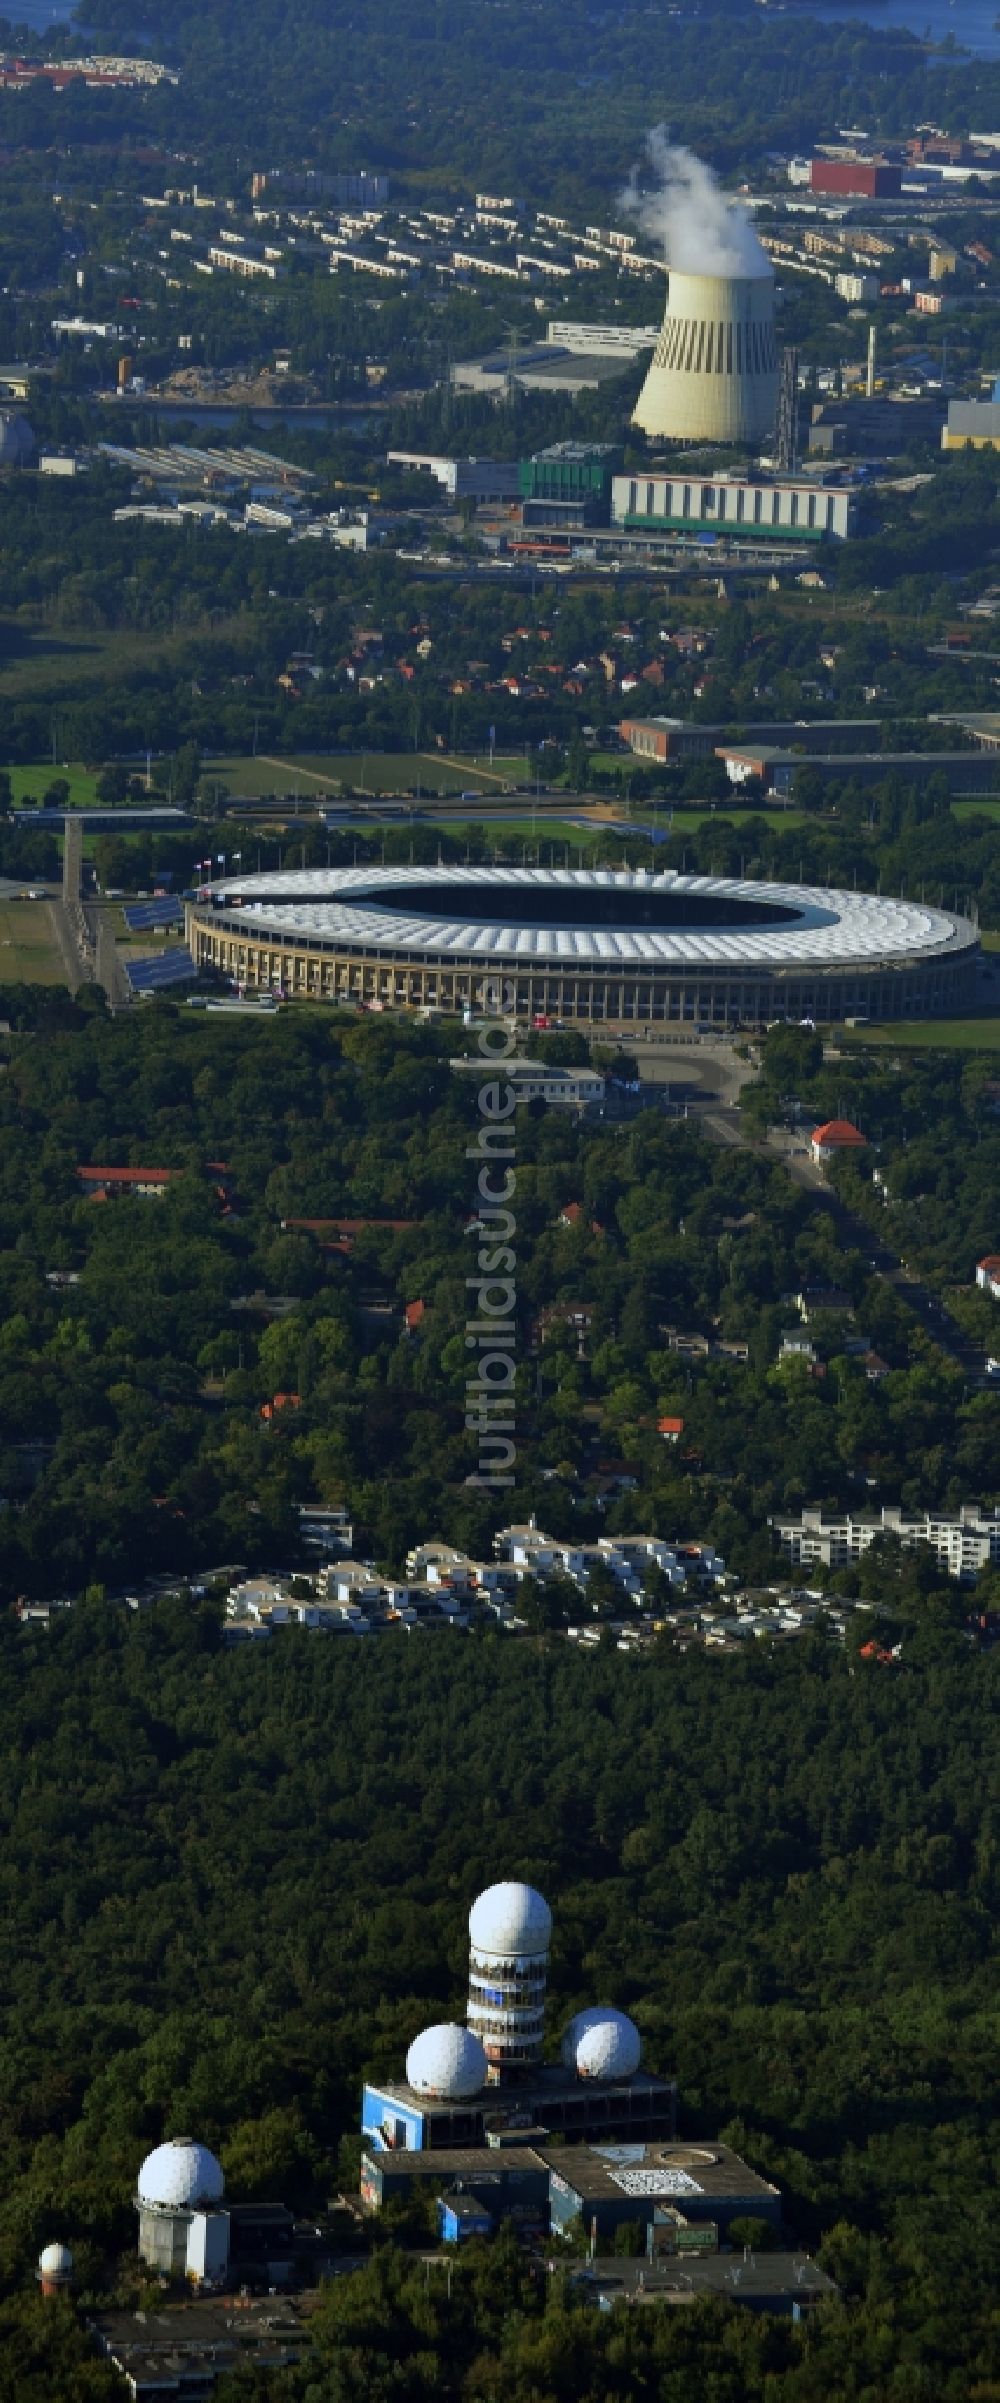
{"x": 595, "y": 917}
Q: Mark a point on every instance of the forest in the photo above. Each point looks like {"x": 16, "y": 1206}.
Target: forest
{"x": 231, "y": 1884}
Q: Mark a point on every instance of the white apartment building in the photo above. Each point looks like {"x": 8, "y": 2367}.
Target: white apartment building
{"x": 532, "y": 1553}
{"x": 626, "y": 341}
{"x": 964, "y": 1542}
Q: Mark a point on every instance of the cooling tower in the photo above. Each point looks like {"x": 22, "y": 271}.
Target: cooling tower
{"x": 714, "y": 373}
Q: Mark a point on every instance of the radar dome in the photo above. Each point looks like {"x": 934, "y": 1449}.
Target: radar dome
{"x": 448, "y": 2061}
{"x": 180, "y": 2176}
{"x": 602, "y": 2043}
{"x": 56, "y": 2262}
{"x": 510, "y": 1920}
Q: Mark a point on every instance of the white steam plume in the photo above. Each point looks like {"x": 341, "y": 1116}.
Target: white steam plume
{"x": 701, "y": 231}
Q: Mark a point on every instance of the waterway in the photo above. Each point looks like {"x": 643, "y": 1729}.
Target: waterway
{"x": 40, "y": 14}
{"x": 973, "y": 23}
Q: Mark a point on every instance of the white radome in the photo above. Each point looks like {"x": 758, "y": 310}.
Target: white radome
{"x": 509, "y": 1922}
{"x": 448, "y": 2061}
{"x": 56, "y": 2261}
{"x": 180, "y": 2175}
{"x": 602, "y": 2043}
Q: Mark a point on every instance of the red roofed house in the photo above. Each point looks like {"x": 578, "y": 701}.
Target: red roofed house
{"x": 413, "y": 1314}
{"x": 572, "y": 1216}
{"x": 282, "y": 1401}
{"x": 837, "y": 1135}
{"x": 670, "y": 1429}
{"x": 988, "y": 1275}
{"x": 101, "y": 1183}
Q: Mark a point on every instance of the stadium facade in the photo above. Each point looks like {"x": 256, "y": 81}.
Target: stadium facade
{"x": 584, "y": 945}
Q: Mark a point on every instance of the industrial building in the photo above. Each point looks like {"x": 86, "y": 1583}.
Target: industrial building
{"x": 182, "y": 2230}
{"x": 786, "y": 2283}
{"x": 667, "y": 738}
{"x": 608, "y": 2186}
{"x": 690, "y": 2192}
{"x": 510, "y": 2180}
{"x": 587, "y": 945}
{"x": 742, "y": 508}
{"x": 624, "y": 342}
{"x": 877, "y": 427}
{"x": 490, "y": 2133}
{"x": 714, "y": 373}
{"x": 972, "y": 425}
{"x": 479, "y": 2084}
{"x": 856, "y": 179}
{"x": 776, "y": 769}
{"x": 478, "y": 480}
{"x": 569, "y": 484}
{"x": 539, "y": 367}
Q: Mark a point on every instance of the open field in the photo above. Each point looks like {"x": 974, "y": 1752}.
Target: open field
{"x": 28, "y": 952}
{"x": 985, "y": 807}
{"x": 543, "y": 831}
{"x": 932, "y": 1034}
{"x": 312, "y": 774}
{"x": 38, "y": 662}
{"x": 29, "y": 784}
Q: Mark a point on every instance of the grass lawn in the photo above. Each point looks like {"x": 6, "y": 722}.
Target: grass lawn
{"x": 29, "y": 954}
{"x": 546, "y": 830}
{"x": 986, "y": 807}
{"x": 933, "y": 1034}
{"x": 30, "y": 783}
{"x": 691, "y": 821}
{"x": 38, "y": 664}
{"x": 312, "y": 775}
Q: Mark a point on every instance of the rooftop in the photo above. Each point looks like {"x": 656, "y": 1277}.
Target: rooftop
{"x": 759, "y": 2278}
{"x": 583, "y": 918}
{"x": 839, "y": 1131}
{"x": 670, "y": 2171}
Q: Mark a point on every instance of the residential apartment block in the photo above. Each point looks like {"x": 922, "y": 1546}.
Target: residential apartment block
{"x": 964, "y": 1541}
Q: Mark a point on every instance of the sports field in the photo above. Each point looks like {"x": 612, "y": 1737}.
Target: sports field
{"x": 312, "y": 774}
{"x": 28, "y": 951}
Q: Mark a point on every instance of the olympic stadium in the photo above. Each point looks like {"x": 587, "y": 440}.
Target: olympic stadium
{"x": 585, "y": 946}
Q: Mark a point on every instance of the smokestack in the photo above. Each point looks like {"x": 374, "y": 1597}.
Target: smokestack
{"x": 870, "y": 377}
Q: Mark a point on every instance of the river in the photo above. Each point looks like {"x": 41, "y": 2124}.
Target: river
{"x": 973, "y": 23}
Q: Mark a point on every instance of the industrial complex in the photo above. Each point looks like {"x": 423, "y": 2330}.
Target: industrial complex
{"x": 486, "y": 2082}
{"x": 481, "y": 2131}
{"x": 485, "y": 2130}
{"x": 583, "y": 945}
